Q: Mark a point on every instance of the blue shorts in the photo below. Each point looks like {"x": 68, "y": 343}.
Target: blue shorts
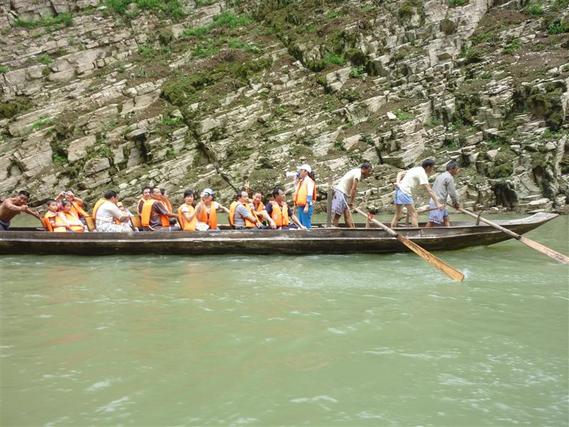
{"x": 438, "y": 215}
{"x": 401, "y": 198}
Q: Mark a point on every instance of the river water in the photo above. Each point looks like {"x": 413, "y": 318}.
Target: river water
{"x": 281, "y": 340}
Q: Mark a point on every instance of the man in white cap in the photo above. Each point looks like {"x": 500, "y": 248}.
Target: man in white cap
{"x": 304, "y": 196}
{"x": 206, "y": 211}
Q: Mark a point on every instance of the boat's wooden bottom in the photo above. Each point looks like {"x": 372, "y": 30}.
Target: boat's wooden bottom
{"x": 315, "y": 241}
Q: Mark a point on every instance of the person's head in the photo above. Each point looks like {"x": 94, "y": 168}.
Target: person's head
{"x": 207, "y": 196}
{"x": 452, "y": 168}
{"x": 69, "y": 195}
{"x": 163, "y": 191}
{"x": 257, "y": 198}
{"x": 147, "y": 193}
{"x": 279, "y": 195}
{"x": 156, "y": 193}
{"x": 111, "y": 196}
{"x": 22, "y": 198}
{"x": 189, "y": 197}
{"x": 243, "y": 197}
{"x": 52, "y": 205}
{"x": 66, "y": 205}
{"x": 304, "y": 170}
{"x": 367, "y": 169}
{"x": 429, "y": 166}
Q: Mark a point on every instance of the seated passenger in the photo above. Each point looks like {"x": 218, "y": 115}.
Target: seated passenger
{"x": 109, "y": 217}
{"x": 260, "y": 211}
{"x": 187, "y": 213}
{"x": 281, "y": 213}
{"x": 69, "y": 218}
{"x": 146, "y": 195}
{"x": 241, "y": 214}
{"x": 155, "y": 215}
{"x": 77, "y": 205}
{"x": 50, "y": 219}
{"x": 206, "y": 211}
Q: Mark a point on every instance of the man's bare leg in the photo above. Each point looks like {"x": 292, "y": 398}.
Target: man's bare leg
{"x": 413, "y": 215}
{"x": 336, "y": 220}
{"x": 396, "y": 216}
{"x": 348, "y": 218}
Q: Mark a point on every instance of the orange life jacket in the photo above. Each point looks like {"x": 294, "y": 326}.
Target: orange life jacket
{"x": 184, "y": 223}
{"x": 139, "y": 205}
{"x": 147, "y": 211}
{"x": 301, "y": 192}
{"x": 280, "y": 214}
{"x": 209, "y": 219}
{"x": 258, "y": 210}
{"x": 231, "y": 214}
{"x": 77, "y": 209}
{"x": 97, "y": 206}
{"x": 167, "y": 203}
{"x": 48, "y": 220}
{"x": 72, "y": 221}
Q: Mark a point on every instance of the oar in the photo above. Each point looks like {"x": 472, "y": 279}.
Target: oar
{"x": 563, "y": 259}
{"x": 451, "y": 272}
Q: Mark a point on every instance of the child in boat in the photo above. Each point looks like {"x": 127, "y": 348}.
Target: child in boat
{"x": 50, "y": 218}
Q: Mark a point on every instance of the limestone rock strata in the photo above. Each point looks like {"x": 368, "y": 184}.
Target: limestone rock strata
{"x": 227, "y": 95}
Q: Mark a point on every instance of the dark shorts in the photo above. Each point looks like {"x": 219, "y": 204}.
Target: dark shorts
{"x": 4, "y": 226}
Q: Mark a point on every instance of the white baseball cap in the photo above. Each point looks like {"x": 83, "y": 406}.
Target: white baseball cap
{"x": 306, "y": 167}
{"x": 208, "y": 192}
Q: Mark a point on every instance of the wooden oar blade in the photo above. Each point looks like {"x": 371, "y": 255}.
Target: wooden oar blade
{"x": 563, "y": 259}
{"x": 451, "y": 272}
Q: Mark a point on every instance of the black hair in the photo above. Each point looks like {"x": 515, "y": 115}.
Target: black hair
{"x": 452, "y": 165}
{"x": 110, "y": 194}
{"x": 64, "y": 203}
{"x": 146, "y": 187}
{"x": 188, "y": 193}
{"x": 366, "y": 165}
{"x": 428, "y": 163}
{"x": 162, "y": 191}
{"x": 276, "y": 191}
{"x": 24, "y": 193}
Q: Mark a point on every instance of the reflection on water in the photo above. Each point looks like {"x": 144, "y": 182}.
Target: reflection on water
{"x": 273, "y": 340}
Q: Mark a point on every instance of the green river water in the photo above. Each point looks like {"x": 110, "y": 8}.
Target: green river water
{"x": 280, "y": 340}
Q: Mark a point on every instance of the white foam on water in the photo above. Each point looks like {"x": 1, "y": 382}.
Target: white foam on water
{"x": 100, "y": 385}
{"x": 113, "y": 405}
{"x": 322, "y": 398}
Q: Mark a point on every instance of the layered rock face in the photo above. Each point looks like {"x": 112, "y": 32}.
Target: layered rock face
{"x": 125, "y": 93}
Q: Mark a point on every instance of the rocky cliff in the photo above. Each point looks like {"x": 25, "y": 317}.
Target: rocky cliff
{"x": 196, "y": 93}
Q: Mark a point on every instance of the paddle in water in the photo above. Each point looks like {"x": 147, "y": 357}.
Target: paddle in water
{"x": 450, "y": 271}
{"x": 563, "y": 259}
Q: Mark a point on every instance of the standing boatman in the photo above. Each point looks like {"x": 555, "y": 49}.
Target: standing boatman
{"x": 345, "y": 193}
{"x": 415, "y": 177}
{"x": 443, "y": 188}
{"x": 304, "y": 196}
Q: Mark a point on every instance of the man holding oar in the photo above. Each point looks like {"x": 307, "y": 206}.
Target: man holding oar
{"x": 345, "y": 193}
{"x": 443, "y": 188}
{"x": 13, "y": 206}
{"x": 415, "y": 177}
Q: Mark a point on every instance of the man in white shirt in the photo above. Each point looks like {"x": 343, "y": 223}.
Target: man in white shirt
{"x": 416, "y": 177}
{"x": 345, "y": 193}
{"x": 110, "y": 218}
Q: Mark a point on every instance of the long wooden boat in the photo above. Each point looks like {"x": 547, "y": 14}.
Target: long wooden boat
{"x": 318, "y": 240}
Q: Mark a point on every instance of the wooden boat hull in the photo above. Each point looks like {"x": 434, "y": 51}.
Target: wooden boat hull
{"x": 261, "y": 242}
